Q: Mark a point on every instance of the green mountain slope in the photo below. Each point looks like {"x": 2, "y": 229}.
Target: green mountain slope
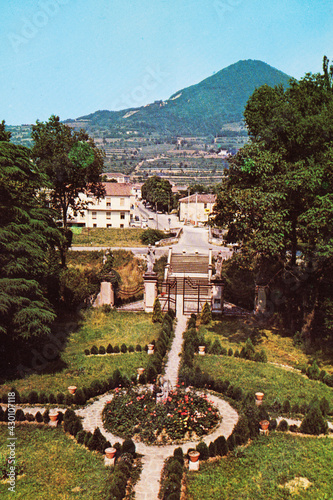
{"x": 200, "y": 109}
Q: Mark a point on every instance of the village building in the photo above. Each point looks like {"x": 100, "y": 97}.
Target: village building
{"x": 195, "y": 209}
{"x": 115, "y": 209}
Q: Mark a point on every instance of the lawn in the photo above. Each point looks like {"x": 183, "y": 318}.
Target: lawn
{"x": 277, "y": 383}
{"x": 261, "y": 471}
{"x": 54, "y": 466}
{"x": 98, "y": 329}
{"x": 108, "y": 237}
{"x": 233, "y": 332}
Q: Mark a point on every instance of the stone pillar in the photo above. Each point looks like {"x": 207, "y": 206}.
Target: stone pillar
{"x": 150, "y": 294}
{"x": 217, "y": 298}
{"x": 260, "y": 299}
{"x": 106, "y": 295}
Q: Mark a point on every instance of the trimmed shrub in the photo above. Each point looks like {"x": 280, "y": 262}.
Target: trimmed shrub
{"x": 87, "y": 438}
{"x": 248, "y": 350}
{"x": 216, "y": 348}
{"x": 116, "y": 349}
{"x": 157, "y": 312}
{"x": 19, "y": 416}
{"x": 42, "y": 399}
{"x": 33, "y": 397}
{"x": 314, "y": 422}
{"x": 283, "y": 426}
{"x": 286, "y": 407}
{"x": 138, "y": 348}
{"x": 79, "y": 397}
{"x": 313, "y": 371}
{"x": 131, "y": 348}
{"x": 29, "y": 417}
{"x": 273, "y": 424}
{"x": 123, "y": 348}
{"x": 97, "y": 441}
{"x": 46, "y": 417}
{"x": 38, "y": 417}
{"x": 80, "y": 436}
{"x": 87, "y": 352}
{"x": 295, "y": 408}
{"x": 109, "y": 349}
{"x": 101, "y": 349}
{"x": 52, "y": 399}
{"x": 94, "y": 350}
{"x": 212, "y": 449}
{"x": 221, "y": 446}
{"x": 128, "y": 447}
{"x": 324, "y": 406}
{"x": 202, "y": 448}
{"x": 206, "y": 314}
{"x": 69, "y": 399}
{"x": 60, "y": 398}
{"x": 2, "y": 414}
{"x": 237, "y": 354}
{"x": 230, "y": 352}
{"x": 231, "y": 442}
{"x": 241, "y": 430}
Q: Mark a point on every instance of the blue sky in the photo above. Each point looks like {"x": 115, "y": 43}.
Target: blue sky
{"x": 73, "y": 57}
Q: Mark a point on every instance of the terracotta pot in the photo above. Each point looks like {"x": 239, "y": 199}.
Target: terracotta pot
{"x": 259, "y": 396}
{"x": 53, "y": 416}
{"x": 151, "y": 346}
{"x": 140, "y": 371}
{"x": 202, "y": 349}
{"x": 110, "y": 452}
{"x": 264, "y": 424}
{"x": 194, "y": 456}
{"x": 72, "y": 389}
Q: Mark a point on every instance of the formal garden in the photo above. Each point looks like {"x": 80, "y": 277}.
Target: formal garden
{"x": 245, "y": 463}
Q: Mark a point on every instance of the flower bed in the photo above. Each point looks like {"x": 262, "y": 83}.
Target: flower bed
{"x": 184, "y": 415}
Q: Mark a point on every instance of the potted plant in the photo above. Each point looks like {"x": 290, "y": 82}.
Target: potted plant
{"x": 72, "y": 389}
{"x": 110, "y": 452}
{"x": 194, "y": 455}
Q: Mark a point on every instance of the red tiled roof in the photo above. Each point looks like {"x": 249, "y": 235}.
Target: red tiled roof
{"x": 200, "y": 198}
{"x": 116, "y": 189}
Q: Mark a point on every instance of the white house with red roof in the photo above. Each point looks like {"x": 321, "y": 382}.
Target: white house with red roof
{"x": 115, "y": 209}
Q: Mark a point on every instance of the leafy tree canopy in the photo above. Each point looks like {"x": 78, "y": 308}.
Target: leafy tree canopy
{"x": 158, "y": 191}
{"x": 26, "y": 234}
{"x": 277, "y": 200}
{"x": 71, "y": 161}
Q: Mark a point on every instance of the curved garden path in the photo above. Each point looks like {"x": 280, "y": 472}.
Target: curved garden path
{"x": 154, "y": 456}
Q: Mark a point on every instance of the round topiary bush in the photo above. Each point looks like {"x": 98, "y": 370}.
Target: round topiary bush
{"x": 314, "y": 422}
{"x": 60, "y": 398}
{"x": 101, "y": 349}
{"x": 123, "y": 348}
{"x": 87, "y": 352}
{"x": 131, "y": 348}
{"x": 116, "y": 349}
{"x": 283, "y": 426}
{"x": 33, "y": 397}
{"x": 138, "y": 348}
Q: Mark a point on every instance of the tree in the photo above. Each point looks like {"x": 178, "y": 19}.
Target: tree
{"x": 158, "y": 192}
{"x": 73, "y": 165}
{"x": 27, "y": 232}
{"x": 277, "y": 199}
{"x": 4, "y": 134}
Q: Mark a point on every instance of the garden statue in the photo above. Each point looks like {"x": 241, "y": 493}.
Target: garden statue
{"x": 150, "y": 259}
{"x": 219, "y": 260}
{"x": 164, "y": 387}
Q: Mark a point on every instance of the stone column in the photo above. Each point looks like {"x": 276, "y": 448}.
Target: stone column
{"x": 150, "y": 293}
{"x": 260, "y": 299}
{"x": 217, "y": 298}
{"x": 106, "y": 295}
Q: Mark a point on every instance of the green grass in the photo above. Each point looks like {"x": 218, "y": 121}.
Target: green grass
{"x": 108, "y": 237}
{"x": 53, "y": 465}
{"x": 276, "y": 383}
{"x": 98, "y": 329}
{"x": 264, "y": 468}
{"x": 233, "y": 332}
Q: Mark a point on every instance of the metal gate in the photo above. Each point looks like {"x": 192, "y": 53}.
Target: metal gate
{"x": 168, "y": 295}
{"x": 195, "y": 293}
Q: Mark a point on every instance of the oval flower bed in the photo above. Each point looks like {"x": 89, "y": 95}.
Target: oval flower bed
{"x": 182, "y": 416}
